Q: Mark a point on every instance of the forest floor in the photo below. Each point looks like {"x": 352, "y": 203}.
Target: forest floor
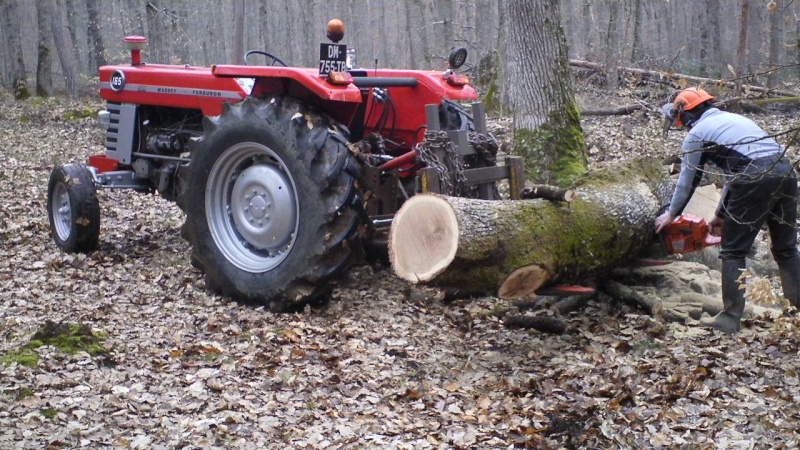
{"x": 179, "y": 368}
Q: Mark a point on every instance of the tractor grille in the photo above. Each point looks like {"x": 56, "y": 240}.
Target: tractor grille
{"x": 120, "y": 131}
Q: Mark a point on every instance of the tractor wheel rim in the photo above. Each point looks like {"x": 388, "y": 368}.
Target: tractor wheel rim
{"x": 251, "y": 207}
{"x": 62, "y": 212}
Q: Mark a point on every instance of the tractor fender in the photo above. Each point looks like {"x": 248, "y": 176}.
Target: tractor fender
{"x": 272, "y": 79}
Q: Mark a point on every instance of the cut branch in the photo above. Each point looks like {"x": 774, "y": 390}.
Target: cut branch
{"x": 621, "y": 111}
{"x": 649, "y": 303}
{"x": 679, "y": 76}
{"x": 547, "y": 192}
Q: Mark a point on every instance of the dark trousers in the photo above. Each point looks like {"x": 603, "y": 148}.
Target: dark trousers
{"x": 765, "y": 192}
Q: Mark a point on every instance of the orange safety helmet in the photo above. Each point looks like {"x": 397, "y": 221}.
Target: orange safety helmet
{"x": 686, "y": 100}
{"x": 690, "y": 98}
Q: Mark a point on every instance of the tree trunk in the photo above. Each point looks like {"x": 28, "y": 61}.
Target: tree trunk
{"x": 78, "y": 53}
{"x": 613, "y": 45}
{"x": 11, "y": 23}
{"x": 547, "y": 130}
{"x": 156, "y": 26}
{"x": 134, "y": 17}
{"x": 636, "y": 39}
{"x": 512, "y": 248}
{"x": 44, "y": 61}
{"x": 775, "y": 32}
{"x": 61, "y": 50}
{"x": 96, "y": 45}
{"x": 741, "y": 50}
{"x": 718, "y": 57}
{"x": 237, "y": 50}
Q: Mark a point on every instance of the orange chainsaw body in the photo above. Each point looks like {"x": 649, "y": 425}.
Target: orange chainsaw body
{"x": 687, "y": 233}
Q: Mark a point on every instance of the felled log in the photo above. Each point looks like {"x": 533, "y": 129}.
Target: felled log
{"x": 511, "y": 248}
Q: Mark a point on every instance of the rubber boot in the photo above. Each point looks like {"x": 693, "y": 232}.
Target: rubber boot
{"x": 733, "y": 300}
{"x": 790, "y": 280}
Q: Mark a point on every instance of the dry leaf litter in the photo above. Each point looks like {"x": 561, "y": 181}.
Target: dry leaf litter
{"x": 374, "y": 368}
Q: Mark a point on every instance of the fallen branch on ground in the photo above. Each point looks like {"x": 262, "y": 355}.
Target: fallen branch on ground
{"x": 680, "y": 76}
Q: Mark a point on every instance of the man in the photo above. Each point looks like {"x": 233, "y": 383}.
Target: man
{"x": 760, "y": 187}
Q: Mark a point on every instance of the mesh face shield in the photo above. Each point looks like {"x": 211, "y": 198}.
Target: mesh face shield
{"x": 670, "y": 118}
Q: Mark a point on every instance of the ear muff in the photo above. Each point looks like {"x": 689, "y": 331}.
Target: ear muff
{"x": 679, "y": 114}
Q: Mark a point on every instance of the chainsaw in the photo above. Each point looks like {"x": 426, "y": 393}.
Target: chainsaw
{"x": 687, "y": 233}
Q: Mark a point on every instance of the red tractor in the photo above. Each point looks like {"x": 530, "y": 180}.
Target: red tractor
{"x": 285, "y": 174}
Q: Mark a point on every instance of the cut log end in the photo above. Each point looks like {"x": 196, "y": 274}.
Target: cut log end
{"x": 523, "y": 282}
{"x": 425, "y": 243}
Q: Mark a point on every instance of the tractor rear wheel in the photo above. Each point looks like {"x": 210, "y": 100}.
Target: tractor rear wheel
{"x": 273, "y": 207}
{"x": 73, "y": 209}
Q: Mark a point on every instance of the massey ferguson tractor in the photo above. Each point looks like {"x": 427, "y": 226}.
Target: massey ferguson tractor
{"x": 285, "y": 174}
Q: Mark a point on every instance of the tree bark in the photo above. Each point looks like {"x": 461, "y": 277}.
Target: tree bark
{"x": 613, "y": 45}
{"x": 44, "y": 61}
{"x": 11, "y": 24}
{"x": 78, "y": 50}
{"x": 547, "y": 130}
{"x": 775, "y": 31}
{"x": 741, "y": 49}
{"x": 96, "y": 45}
{"x": 158, "y": 42}
{"x": 237, "y": 50}
{"x": 134, "y": 17}
{"x": 61, "y": 50}
{"x": 512, "y": 248}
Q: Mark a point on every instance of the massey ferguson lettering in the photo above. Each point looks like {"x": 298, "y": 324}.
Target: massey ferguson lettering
{"x": 184, "y": 91}
{"x": 206, "y": 93}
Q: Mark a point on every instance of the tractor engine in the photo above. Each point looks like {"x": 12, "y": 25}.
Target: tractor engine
{"x": 154, "y": 141}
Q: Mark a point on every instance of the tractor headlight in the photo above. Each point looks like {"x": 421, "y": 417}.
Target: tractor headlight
{"x": 104, "y": 119}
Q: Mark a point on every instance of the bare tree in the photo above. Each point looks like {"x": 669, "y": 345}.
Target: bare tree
{"x": 158, "y": 42}
{"x": 61, "y": 50}
{"x": 547, "y": 131}
{"x": 133, "y": 20}
{"x": 613, "y": 43}
{"x": 711, "y": 40}
{"x": 96, "y": 45}
{"x": 44, "y": 61}
{"x": 636, "y": 33}
{"x": 237, "y": 49}
{"x": 741, "y": 50}
{"x": 11, "y": 20}
{"x": 775, "y": 32}
{"x": 74, "y": 27}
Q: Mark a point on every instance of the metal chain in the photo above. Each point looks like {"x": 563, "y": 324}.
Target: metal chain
{"x": 427, "y": 153}
{"x": 485, "y": 147}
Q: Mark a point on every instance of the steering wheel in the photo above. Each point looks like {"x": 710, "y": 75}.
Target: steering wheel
{"x": 272, "y": 59}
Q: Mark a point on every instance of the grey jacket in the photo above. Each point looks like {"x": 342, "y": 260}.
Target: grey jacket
{"x": 727, "y": 140}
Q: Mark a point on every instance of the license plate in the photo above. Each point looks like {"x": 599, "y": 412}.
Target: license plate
{"x": 332, "y": 58}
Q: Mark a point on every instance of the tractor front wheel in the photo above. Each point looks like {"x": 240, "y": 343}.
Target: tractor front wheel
{"x": 272, "y": 204}
{"x": 73, "y": 208}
